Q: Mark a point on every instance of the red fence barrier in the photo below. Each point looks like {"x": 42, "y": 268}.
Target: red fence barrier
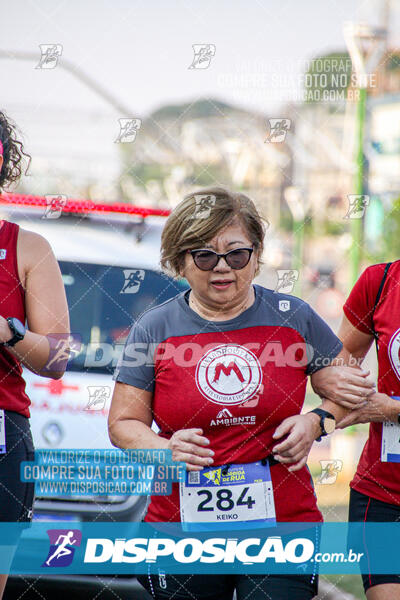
{"x": 82, "y": 206}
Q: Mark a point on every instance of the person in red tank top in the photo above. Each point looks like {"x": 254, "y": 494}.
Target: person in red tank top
{"x": 371, "y": 312}
{"x": 33, "y": 320}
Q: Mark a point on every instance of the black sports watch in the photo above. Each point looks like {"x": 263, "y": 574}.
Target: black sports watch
{"x": 17, "y": 329}
{"x": 327, "y": 422}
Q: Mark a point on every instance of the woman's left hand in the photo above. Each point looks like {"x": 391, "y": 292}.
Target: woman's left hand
{"x": 301, "y": 432}
{"x": 376, "y": 409}
{"x": 346, "y": 386}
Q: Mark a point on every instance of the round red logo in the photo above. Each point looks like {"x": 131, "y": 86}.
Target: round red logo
{"x": 228, "y": 374}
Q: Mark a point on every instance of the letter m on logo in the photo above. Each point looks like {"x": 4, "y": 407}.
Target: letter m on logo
{"x": 227, "y": 370}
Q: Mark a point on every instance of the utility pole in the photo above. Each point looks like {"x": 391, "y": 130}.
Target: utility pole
{"x": 296, "y": 202}
{"x": 366, "y": 46}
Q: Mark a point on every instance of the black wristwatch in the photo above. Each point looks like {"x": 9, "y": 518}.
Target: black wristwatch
{"x": 327, "y": 422}
{"x": 17, "y": 329}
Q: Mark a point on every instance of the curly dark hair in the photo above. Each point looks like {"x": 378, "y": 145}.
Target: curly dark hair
{"x": 13, "y": 153}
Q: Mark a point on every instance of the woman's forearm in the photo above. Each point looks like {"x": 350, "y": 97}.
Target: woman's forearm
{"x": 339, "y": 412}
{"x": 134, "y": 434}
{"x": 335, "y": 409}
{"x": 44, "y": 355}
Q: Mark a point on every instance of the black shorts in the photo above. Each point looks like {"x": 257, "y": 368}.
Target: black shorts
{"x": 366, "y": 509}
{"x": 221, "y": 587}
{"x": 16, "y": 496}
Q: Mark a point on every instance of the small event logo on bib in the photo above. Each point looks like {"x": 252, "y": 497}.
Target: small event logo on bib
{"x": 228, "y": 374}
{"x": 394, "y": 352}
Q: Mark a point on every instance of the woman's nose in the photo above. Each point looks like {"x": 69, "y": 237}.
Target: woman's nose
{"x": 222, "y": 265}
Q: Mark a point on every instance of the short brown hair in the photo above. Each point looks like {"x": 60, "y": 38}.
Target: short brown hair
{"x": 186, "y": 228}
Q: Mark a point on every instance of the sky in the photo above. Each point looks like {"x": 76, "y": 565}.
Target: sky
{"x": 140, "y": 51}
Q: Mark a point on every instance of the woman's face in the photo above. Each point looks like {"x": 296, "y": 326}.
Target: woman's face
{"x": 223, "y": 286}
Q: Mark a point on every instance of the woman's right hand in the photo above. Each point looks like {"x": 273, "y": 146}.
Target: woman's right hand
{"x": 5, "y": 332}
{"x": 190, "y": 446}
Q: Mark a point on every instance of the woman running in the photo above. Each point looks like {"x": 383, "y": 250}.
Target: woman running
{"x": 231, "y": 361}
{"x": 33, "y": 320}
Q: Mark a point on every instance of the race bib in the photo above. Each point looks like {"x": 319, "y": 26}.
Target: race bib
{"x": 228, "y": 494}
{"x": 390, "y": 449}
{"x": 2, "y": 432}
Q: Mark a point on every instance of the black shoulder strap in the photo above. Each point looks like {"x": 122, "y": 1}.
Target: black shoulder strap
{"x": 378, "y": 296}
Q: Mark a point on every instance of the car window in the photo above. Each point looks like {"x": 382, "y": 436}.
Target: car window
{"x": 104, "y": 302}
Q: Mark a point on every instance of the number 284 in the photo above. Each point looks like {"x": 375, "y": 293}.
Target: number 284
{"x": 224, "y": 500}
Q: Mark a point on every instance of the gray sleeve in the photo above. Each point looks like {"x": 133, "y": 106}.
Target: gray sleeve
{"x": 135, "y": 365}
{"x": 322, "y": 344}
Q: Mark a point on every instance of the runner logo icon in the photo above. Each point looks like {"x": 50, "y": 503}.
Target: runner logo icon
{"x": 133, "y": 280}
{"x": 228, "y": 374}
{"x": 61, "y": 552}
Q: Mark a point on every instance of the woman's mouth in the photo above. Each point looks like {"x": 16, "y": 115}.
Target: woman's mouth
{"x": 221, "y": 284}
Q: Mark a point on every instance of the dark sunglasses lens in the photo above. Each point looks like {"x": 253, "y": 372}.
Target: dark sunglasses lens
{"x": 238, "y": 259}
{"x": 205, "y": 260}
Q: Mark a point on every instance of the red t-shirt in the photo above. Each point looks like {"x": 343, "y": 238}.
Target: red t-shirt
{"x": 12, "y": 385}
{"x": 375, "y": 478}
{"x": 237, "y": 380}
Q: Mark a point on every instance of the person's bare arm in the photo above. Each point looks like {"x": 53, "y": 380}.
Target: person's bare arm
{"x": 129, "y": 426}
{"x": 45, "y": 304}
{"x": 355, "y": 342}
{"x": 344, "y": 381}
{"x": 377, "y": 409}
{"x": 340, "y": 378}
{"x": 300, "y": 431}
{"x": 344, "y": 390}
{"x": 337, "y": 379}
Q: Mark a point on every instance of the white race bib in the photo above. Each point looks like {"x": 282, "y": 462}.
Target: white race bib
{"x": 228, "y": 494}
{"x": 390, "y": 449}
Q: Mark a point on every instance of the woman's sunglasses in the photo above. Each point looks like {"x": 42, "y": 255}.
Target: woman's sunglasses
{"x": 206, "y": 260}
